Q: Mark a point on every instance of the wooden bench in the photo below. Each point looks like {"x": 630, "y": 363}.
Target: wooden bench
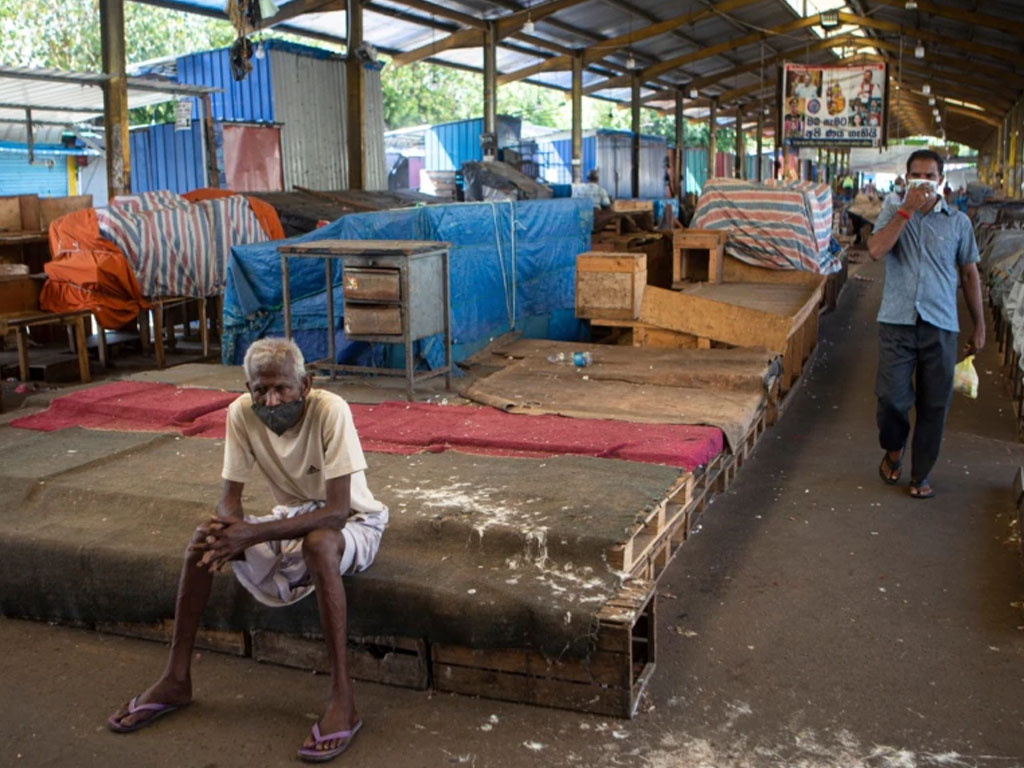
{"x": 20, "y": 322}
{"x": 160, "y": 306}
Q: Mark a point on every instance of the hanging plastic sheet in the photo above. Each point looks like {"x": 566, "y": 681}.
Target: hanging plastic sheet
{"x": 512, "y": 266}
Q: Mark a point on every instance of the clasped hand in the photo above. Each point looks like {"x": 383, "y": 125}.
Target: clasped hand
{"x": 221, "y": 541}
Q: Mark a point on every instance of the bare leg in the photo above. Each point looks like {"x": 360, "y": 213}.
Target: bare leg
{"x": 174, "y": 686}
{"x": 322, "y": 550}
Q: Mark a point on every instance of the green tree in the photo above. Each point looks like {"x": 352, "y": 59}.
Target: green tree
{"x": 427, "y": 93}
{"x": 66, "y": 35}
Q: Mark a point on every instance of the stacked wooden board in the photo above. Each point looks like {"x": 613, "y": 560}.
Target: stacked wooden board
{"x": 749, "y": 307}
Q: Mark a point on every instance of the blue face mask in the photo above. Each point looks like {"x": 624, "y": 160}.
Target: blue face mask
{"x": 279, "y": 418}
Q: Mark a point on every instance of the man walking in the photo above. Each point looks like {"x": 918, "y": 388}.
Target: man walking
{"x": 926, "y": 243}
{"x": 326, "y": 524}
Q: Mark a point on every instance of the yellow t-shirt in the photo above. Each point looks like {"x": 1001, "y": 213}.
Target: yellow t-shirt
{"x": 298, "y": 464}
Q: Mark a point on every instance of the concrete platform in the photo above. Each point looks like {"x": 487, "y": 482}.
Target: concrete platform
{"x": 777, "y": 645}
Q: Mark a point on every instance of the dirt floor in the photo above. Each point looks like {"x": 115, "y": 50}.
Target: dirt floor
{"x": 818, "y": 618}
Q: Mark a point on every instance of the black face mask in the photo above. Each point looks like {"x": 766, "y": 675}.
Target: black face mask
{"x": 279, "y": 418}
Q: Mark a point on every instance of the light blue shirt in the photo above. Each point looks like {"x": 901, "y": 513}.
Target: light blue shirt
{"x": 921, "y": 270}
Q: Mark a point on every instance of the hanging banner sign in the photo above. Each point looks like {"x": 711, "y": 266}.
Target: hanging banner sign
{"x": 834, "y": 106}
{"x": 183, "y": 115}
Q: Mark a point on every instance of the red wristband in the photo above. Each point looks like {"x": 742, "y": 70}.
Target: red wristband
{"x": 903, "y": 213}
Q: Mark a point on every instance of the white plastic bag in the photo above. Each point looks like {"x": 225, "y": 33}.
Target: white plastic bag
{"x": 965, "y": 378}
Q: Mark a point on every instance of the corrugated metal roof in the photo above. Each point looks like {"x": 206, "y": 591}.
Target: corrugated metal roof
{"x": 393, "y": 27}
{"x": 74, "y": 97}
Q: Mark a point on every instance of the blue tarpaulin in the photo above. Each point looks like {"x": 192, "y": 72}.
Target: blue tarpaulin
{"x": 512, "y": 266}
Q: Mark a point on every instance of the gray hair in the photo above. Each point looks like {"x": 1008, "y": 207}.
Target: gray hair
{"x": 264, "y": 353}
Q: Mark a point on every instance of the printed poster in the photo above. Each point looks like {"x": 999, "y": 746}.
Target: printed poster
{"x": 834, "y": 106}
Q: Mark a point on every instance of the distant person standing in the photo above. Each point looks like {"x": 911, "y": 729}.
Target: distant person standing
{"x": 926, "y": 244}
{"x": 593, "y": 190}
{"x": 895, "y": 197}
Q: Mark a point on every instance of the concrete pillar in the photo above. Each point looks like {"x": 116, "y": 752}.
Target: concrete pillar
{"x": 712, "y": 138}
{"x": 491, "y": 82}
{"x": 355, "y": 85}
{"x": 115, "y": 98}
{"x": 577, "y": 116}
{"x": 635, "y": 126}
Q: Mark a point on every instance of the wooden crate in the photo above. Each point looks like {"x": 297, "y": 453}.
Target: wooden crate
{"x": 19, "y": 293}
{"x": 645, "y": 335}
{"x": 607, "y": 682}
{"x": 752, "y": 307}
{"x": 610, "y": 285}
{"x": 633, "y": 206}
{"x": 698, "y": 255}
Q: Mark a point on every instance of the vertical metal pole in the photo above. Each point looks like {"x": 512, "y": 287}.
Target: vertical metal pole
{"x": 712, "y": 137}
{"x": 115, "y": 98}
{"x": 446, "y": 299}
{"x": 680, "y": 169}
{"x": 286, "y": 297}
{"x": 328, "y": 262}
{"x": 634, "y": 104}
{"x": 213, "y": 171}
{"x": 577, "y": 116}
{"x": 760, "y": 143}
{"x": 355, "y": 82}
{"x": 741, "y": 145}
{"x": 491, "y": 80}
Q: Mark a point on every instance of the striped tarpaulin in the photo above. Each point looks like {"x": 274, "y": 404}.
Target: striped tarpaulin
{"x": 776, "y": 225}
{"x": 181, "y": 250}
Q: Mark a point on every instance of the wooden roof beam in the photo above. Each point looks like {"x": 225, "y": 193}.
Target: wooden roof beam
{"x": 972, "y": 18}
{"x": 712, "y": 79}
{"x": 1004, "y": 74}
{"x": 599, "y": 50}
{"x": 714, "y": 50}
{"x": 923, "y": 34}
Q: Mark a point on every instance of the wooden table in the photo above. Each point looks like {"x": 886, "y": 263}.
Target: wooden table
{"x": 20, "y": 322}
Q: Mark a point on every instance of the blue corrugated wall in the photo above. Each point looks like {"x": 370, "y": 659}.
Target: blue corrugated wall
{"x": 247, "y": 101}
{"x": 163, "y": 158}
{"x": 48, "y": 177}
{"x": 449, "y": 145}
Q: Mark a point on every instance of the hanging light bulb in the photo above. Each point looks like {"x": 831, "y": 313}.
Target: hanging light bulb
{"x": 919, "y": 50}
{"x": 260, "y": 53}
{"x": 911, "y": 5}
{"x": 630, "y": 61}
{"x": 694, "y": 94}
{"x": 938, "y": 118}
{"x": 931, "y": 101}
{"x": 528, "y": 26}
{"x": 926, "y": 89}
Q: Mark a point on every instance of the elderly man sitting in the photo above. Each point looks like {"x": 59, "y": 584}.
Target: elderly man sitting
{"x": 326, "y": 524}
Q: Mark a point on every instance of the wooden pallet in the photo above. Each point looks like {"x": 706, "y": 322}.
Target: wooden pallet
{"x": 607, "y": 682}
{"x": 401, "y": 661}
{"x": 632, "y": 556}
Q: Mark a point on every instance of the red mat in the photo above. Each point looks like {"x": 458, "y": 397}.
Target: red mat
{"x": 391, "y": 427}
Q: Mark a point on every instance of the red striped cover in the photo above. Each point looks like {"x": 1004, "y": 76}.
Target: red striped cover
{"x": 779, "y": 226}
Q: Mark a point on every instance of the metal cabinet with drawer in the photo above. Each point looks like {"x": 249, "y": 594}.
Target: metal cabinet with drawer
{"x": 395, "y": 291}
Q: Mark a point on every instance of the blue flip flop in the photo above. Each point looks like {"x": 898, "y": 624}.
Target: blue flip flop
{"x": 158, "y": 710}
{"x": 314, "y": 755}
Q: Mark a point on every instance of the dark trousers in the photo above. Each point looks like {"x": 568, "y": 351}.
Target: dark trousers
{"x": 915, "y": 368}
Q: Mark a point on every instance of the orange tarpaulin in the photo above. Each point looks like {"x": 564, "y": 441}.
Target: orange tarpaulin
{"x": 87, "y": 271}
{"x": 264, "y": 211}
